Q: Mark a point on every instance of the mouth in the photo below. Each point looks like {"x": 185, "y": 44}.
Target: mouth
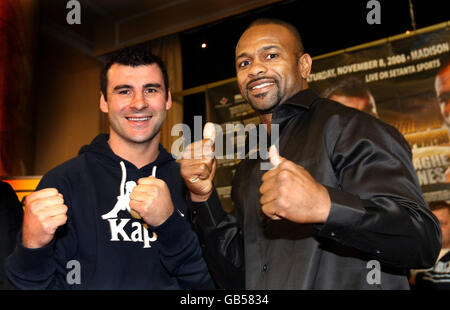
{"x": 138, "y": 119}
{"x": 260, "y": 85}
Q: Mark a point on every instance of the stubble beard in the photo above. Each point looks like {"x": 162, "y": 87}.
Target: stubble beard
{"x": 273, "y": 102}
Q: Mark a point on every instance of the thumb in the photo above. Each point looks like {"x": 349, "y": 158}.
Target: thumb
{"x": 209, "y": 131}
{"x": 274, "y": 156}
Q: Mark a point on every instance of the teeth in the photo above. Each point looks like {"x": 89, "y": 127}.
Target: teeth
{"x": 262, "y": 85}
{"x": 138, "y": 119}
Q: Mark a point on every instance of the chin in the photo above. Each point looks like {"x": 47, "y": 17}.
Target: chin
{"x": 265, "y": 103}
{"x": 142, "y": 139}
{"x": 263, "y": 107}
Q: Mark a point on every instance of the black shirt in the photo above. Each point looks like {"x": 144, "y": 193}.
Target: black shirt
{"x": 378, "y": 218}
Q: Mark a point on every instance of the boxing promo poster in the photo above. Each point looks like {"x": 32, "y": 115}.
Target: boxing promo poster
{"x": 404, "y": 82}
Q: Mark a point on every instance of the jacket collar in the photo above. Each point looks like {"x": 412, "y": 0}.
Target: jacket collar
{"x": 294, "y": 105}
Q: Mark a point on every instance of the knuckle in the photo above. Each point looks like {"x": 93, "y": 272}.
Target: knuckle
{"x": 261, "y": 201}
{"x": 133, "y": 204}
{"x": 47, "y": 227}
{"x": 40, "y": 218}
{"x": 283, "y": 176}
{"x": 282, "y": 190}
{"x": 28, "y": 199}
{"x": 281, "y": 202}
{"x": 33, "y": 208}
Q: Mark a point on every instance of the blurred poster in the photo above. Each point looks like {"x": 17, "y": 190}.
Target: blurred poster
{"x": 228, "y": 109}
{"x": 405, "y": 83}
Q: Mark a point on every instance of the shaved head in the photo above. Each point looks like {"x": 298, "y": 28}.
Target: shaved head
{"x": 293, "y": 30}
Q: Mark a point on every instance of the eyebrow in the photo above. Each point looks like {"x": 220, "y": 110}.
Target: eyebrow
{"x": 122, "y": 86}
{"x": 148, "y": 85}
{"x": 264, "y": 48}
{"x": 153, "y": 85}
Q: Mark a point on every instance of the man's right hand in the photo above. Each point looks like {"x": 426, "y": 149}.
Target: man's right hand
{"x": 198, "y": 165}
{"x": 44, "y": 212}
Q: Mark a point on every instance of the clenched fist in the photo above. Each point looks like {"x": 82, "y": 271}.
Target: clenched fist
{"x": 45, "y": 211}
{"x": 198, "y": 165}
{"x": 288, "y": 191}
{"x": 151, "y": 200}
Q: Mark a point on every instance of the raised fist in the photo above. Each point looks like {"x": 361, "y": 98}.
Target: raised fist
{"x": 198, "y": 165}
{"x": 44, "y": 212}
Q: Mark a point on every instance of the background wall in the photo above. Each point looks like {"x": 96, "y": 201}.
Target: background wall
{"x": 67, "y": 102}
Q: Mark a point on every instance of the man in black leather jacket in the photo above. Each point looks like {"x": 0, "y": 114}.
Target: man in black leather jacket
{"x": 342, "y": 209}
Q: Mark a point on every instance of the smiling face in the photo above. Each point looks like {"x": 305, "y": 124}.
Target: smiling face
{"x": 137, "y": 104}
{"x": 269, "y": 66}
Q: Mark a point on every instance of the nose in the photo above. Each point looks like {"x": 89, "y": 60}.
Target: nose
{"x": 138, "y": 102}
{"x": 257, "y": 68}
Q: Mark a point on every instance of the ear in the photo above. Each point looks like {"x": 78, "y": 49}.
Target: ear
{"x": 103, "y": 104}
{"x": 304, "y": 65}
{"x": 169, "y": 100}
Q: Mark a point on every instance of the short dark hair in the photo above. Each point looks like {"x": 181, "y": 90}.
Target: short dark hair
{"x": 133, "y": 56}
{"x": 275, "y": 21}
{"x": 350, "y": 87}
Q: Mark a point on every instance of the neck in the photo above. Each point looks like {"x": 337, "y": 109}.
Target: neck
{"x": 139, "y": 154}
{"x": 266, "y": 119}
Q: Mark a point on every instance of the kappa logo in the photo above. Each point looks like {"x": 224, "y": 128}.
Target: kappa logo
{"x": 119, "y": 226}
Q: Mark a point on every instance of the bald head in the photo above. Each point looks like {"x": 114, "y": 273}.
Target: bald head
{"x": 293, "y": 30}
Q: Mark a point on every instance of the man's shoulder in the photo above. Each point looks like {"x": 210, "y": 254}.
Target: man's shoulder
{"x": 333, "y": 108}
{"x": 338, "y": 116}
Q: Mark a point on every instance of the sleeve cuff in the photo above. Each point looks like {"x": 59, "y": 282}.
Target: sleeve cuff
{"x": 208, "y": 213}
{"x": 32, "y": 263}
{"x": 346, "y": 212}
{"x": 173, "y": 231}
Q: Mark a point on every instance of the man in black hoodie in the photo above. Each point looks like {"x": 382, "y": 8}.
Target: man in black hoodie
{"x": 114, "y": 216}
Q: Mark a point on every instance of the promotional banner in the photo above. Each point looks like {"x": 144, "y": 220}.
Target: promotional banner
{"x": 405, "y": 83}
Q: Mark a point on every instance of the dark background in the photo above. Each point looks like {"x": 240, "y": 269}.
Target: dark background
{"x": 325, "y": 26}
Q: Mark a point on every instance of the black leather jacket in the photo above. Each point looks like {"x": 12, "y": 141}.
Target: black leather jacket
{"x": 378, "y": 218}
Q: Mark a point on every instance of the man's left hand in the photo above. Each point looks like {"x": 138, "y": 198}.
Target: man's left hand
{"x": 151, "y": 199}
{"x": 289, "y": 192}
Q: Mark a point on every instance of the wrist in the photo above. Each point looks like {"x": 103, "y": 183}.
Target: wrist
{"x": 29, "y": 241}
{"x": 326, "y": 206}
{"x": 200, "y": 198}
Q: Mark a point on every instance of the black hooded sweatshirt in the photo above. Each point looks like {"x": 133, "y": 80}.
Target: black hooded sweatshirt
{"x": 101, "y": 246}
